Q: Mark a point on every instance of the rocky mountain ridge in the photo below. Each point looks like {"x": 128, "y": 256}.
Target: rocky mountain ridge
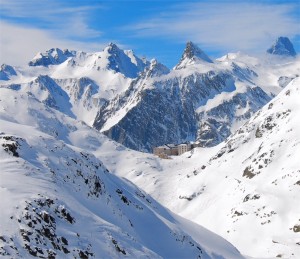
{"x": 282, "y": 47}
{"x": 143, "y": 104}
{"x": 197, "y": 101}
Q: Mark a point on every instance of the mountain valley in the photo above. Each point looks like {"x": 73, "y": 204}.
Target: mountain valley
{"x": 77, "y": 131}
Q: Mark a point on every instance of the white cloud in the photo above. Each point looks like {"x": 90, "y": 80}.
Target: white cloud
{"x": 78, "y": 27}
{"x": 41, "y": 25}
{"x": 18, "y": 44}
{"x": 64, "y": 18}
{"x": 223, "y": 26}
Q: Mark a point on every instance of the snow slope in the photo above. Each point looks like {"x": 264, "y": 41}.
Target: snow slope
{"x": 59, "y": 200}
{"x": 245, "y": 189}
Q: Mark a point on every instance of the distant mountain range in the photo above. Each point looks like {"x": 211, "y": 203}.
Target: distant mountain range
{"x": 199, "y": 100}
{"x": 143, "y": 104}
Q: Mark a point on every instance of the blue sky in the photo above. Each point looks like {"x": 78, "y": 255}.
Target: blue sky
{"x": 151, "y": 28}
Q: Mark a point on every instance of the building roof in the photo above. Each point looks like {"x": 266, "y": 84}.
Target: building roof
{"x": 164, "y": 146}
{"x": 171, "y": 145}
{"x": 182, "y": 145}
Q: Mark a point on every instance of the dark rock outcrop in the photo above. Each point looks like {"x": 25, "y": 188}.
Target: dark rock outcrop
{"x": 283, "y": 47}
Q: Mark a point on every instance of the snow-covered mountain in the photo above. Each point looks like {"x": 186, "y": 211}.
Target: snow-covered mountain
{"x": 60, "y": 201}
{"x": 53, "y": 56}
{"x": 247, "y": 188}
{"x": 282, "y": 47}
{"x": 197, "y": 100}
{"x": 192, "y": 55}
{"x": 6, "y": 71}
{"x": 60, "y": 177}
{"x": 85, "y": 80}
{"x": 143, "y": 104}
{"x": 111, "y": 58}
{"x": 124, "y": 62}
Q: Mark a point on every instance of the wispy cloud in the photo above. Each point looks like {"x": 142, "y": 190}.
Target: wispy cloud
{"x": 19, "y": 44}
{"x": 222, "y": 25}
{"x": 60, "y": 17}
{"x": 28, "y": 27}
{"x": 20, "y": 8}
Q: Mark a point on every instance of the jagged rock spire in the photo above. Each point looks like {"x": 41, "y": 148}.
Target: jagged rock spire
{"x": 112, "y": 47}
{"x": 283, "y": 47}
{"x": 6, "y": 71}
{"x": 191, "y": 55}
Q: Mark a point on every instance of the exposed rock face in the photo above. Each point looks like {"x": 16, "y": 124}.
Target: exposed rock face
{"x": 198, "y": 100}
{"x": 165, "y": 111}
{"x": 6, "y": 71}
{"x": 159, "y": 118}
{"x": 283, "y": 47}
{"x": 283, "y": 81}
{"x": 216, "y": 123}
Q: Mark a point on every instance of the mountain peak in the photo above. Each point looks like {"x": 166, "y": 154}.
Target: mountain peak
{"x": 191, "y": 55}
{"x": 192, "y": 49}
{"x": 112, "y": 47}
{"x": 156, "y": 69}
{"x": 54, "y": 56}
{"x": 6, "y": 71}
{"x": 123, "y": 61}
{"x": 7, "y": 68}
{"x": 283, "y": 47}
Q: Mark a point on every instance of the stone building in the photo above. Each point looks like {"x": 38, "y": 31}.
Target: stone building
{"x": 174, "y": 150}
{"x": 182, "y": 148}
{"x": 168, "y": 149}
